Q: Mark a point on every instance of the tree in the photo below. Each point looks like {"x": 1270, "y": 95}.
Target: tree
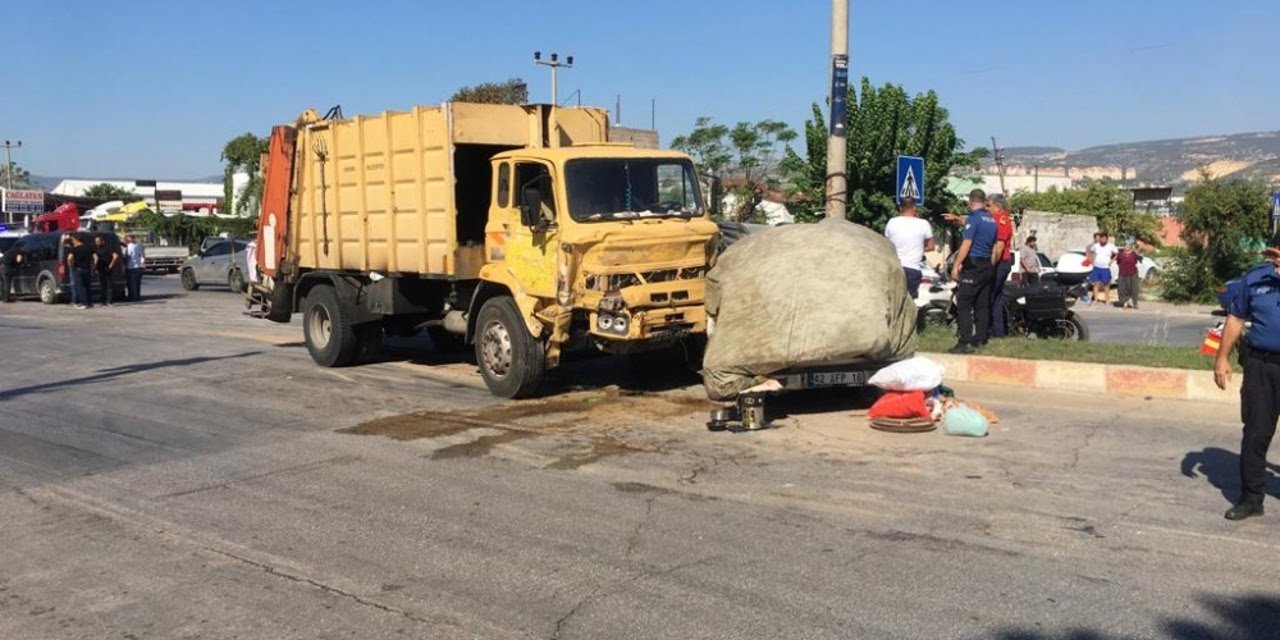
{"x": 513, "y": 91}
{"x": 881, "y": 124}
{"x": 21, "y": 179}
{"x": 744, "y": 158}
{"x": 1223, "y": 222}
{"x": 243, "y": 153}
{"x": 108, "y": 191}
{"x": 1103, "y": 199}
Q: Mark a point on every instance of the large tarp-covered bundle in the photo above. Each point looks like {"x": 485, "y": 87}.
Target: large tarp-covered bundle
{"x": 804, "y": 295}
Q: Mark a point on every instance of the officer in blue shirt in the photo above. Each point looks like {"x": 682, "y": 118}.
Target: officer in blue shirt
{"x": 974, "y": 271}
{"x": 1258, "y": 302}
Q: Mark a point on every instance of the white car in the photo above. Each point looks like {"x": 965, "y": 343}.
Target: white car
{"x": 1072, "y": 262}
{"x": 1046, "y": 267}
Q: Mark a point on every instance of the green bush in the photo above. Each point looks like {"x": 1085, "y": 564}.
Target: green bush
{"x": 1223, "y": 221}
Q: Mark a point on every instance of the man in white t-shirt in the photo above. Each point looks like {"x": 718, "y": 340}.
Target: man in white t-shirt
{"x": 911, "y": 236}
{"x": 1101, "y": 253}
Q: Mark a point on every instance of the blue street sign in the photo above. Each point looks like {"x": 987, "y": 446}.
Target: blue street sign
{"x": 839, "y": 95}
{"x": 910, "y": 179}
{"x": 1275, "y": 206}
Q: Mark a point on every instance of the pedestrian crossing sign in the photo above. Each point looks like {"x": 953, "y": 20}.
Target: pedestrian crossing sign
{"x": 910, "y": 183}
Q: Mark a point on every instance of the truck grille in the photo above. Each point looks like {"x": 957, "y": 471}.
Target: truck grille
{"x": 617, "y": 281}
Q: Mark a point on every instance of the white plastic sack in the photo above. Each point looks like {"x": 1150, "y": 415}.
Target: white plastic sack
{"x": 913, "y": 374}
{"x": 963, "y": 421}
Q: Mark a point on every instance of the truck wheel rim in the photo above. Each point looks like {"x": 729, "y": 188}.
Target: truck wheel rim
{"x": 496, "y": 350}
{"x": 321, "y": 327}
{"x": 46, "y": 292}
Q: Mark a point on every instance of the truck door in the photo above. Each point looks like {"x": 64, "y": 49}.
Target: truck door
{"x": 529, "y": 251}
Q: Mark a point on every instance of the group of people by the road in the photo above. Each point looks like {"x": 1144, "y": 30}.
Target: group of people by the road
{"x": 986, "y": 257}
{"x": 86, "y": 261}
{"x": 1100, "y": 255}
{"x": 981, "y": 267}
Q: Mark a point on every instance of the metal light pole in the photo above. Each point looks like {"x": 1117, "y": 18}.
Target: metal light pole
{"x": 837, "y": 143}
{"x": 555, "y": 65}
{"x": 8, "y": 162}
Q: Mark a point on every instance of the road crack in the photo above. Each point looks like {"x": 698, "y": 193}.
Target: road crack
{"x": 1075, "y": 452}
{"x": 605, "y": 590}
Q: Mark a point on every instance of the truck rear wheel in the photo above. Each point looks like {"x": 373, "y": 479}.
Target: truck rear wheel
{"x": 331, "y": 338}
{"x": 511, "y": 361}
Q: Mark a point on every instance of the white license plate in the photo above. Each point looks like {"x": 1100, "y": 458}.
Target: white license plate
{"x": 834, "y": 378}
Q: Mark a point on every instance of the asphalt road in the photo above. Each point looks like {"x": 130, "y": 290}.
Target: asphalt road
{"x": 173, "y": 469}
{"x": 1166, "y": 325}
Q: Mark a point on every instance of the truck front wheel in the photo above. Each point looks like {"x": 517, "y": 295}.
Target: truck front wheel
{"x": 331, "y": 339}
{"x": 511, "y": 361}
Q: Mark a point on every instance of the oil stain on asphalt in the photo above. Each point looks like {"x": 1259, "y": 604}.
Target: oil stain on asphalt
{"x": 584, "y": 414}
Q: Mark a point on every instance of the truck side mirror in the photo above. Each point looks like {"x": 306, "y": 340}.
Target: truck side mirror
{"x": 531, "y": 208}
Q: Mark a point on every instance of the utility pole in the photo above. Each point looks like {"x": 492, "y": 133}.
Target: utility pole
{"x": 999, "y": 156}
{"x": 837, "y": 143}
{"x": 8, "y": 162}
{"x": 653, "y": 114}
{"x": 617, "y": 109}
{"x": 555, "y": 65}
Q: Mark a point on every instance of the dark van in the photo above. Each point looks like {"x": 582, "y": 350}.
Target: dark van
{"x": 36, "y": 266}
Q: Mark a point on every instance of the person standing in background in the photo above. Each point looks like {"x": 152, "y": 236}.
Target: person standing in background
{"x": 911, "y": 235}
{"x": 1127, "y": 261}
{"x": 1003, "y": 258}
{"x": 105, "y": 262}
{"x": 1100, "y": 254}
{"x": 133, "y": 263}
{"x": 1029, "y": 260}
{"x": 80, "y": 267}
{"x": 973, "y": 272}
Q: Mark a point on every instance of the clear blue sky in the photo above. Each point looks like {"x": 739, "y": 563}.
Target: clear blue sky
{"x": 136, "y": 89}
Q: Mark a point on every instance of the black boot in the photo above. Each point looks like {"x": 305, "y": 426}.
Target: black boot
{"x": 1244, "y": 509}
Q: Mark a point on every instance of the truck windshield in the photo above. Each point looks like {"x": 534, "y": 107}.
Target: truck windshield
{"x": 628, "y": 188}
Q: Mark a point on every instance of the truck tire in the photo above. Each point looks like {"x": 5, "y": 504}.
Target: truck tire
{"x": 236, "y": 281}
{"x": 48, "y": 290}
{"x": 511, "y": 361}
{"x": 189, "y": 280}
{"x": 6, "y": 289}
{"x": 330, "y": 337}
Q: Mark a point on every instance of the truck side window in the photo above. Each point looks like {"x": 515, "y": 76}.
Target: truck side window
{"x": 535, "y": 175}
{"x": 504, "y": 185}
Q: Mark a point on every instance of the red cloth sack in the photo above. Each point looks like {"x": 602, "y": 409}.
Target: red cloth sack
{"x": 900, "y": 405}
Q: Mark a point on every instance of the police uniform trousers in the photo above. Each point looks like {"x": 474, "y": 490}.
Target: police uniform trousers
{"x": 973, "y": 301}
{"x": 1259, "y": 410}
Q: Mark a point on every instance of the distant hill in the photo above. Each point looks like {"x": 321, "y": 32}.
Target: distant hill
{"x": 1169, "y": 162}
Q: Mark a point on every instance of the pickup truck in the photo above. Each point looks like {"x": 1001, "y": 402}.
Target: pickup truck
{"x": 166, "y": 259}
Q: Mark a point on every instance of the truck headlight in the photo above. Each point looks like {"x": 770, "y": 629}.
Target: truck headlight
{"x": 604, "y": 322}
{"x": 620, "y": 324}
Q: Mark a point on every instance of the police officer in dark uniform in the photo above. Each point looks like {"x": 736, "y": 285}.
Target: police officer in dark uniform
{"x": 975, "y": 274}
{"x": 1258, "y": 302}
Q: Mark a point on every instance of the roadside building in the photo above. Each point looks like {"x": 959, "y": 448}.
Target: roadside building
{"x": 162, "y": 195}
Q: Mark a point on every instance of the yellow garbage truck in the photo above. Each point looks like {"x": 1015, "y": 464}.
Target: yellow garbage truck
{"x": 519, "y": 229}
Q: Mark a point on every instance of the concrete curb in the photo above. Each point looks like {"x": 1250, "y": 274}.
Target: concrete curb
{"x": 1108, "y": 379}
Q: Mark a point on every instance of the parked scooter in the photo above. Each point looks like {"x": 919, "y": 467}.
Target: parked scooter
{"x": 1041, "y": 310}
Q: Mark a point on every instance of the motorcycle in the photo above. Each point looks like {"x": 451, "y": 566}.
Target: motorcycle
{"x": 1041, "y": 310}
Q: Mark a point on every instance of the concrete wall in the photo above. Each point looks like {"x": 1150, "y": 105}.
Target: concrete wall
{"x": 1057, "y": 232}
{"x": 641, "y": 138}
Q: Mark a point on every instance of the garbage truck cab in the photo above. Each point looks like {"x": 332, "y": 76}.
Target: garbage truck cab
{"x": 433, "y": 219}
